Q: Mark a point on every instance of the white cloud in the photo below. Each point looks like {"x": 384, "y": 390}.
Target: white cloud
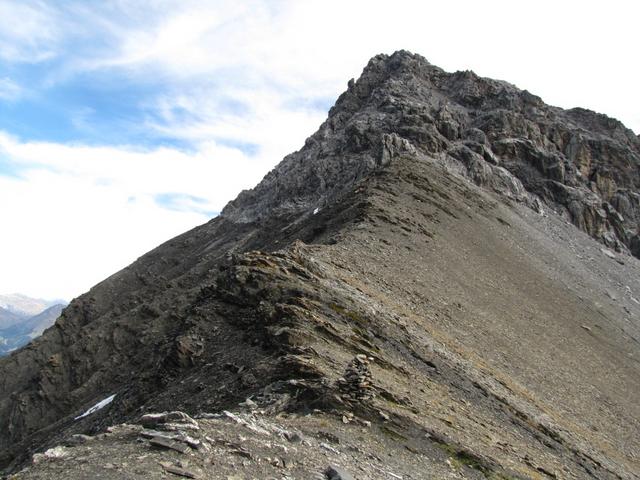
{"x": 77, "y": 213}
{"x": 29, "y": 31}
{"x": 240, "y": 73}
{"x": 270, "y": 122}
{"x": 80, "y": 213}
{"x": 571, "y": 53}
{"x": 10, "y": 91}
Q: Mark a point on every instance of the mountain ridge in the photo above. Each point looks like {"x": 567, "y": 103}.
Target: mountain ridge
{"x": 16, "y": 306}
{"x": 418, "y": 228}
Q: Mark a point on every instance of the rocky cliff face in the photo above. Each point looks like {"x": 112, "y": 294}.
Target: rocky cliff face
{"x": 581, "y": 164}
{"x": 410, "y": 271}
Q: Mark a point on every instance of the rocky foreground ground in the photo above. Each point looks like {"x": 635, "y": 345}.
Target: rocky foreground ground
{"x": 252, "y": 446}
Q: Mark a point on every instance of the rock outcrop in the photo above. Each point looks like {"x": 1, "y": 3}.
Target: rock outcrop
{"x": 412, "y": 277}
{"x": 581, "y": 164}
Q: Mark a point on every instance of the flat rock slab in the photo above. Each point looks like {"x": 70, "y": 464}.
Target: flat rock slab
{"x": 181, "y": 472}
{"x": 164, "y": 419}
{"x": 169, "y": 444}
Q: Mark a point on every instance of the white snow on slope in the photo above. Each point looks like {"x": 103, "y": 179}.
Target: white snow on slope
{"x": 98, "y": 406}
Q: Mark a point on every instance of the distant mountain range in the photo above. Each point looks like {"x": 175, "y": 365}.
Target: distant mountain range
{"x": 24, "y": 318}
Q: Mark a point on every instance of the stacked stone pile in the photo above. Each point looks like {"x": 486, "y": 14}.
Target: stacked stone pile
{"x": 356, "y": 383}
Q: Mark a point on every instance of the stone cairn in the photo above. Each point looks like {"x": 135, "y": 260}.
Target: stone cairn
{"x": 355, "y": 384}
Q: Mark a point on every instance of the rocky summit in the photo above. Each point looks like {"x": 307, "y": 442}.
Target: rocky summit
{"x": 441, "y": 283}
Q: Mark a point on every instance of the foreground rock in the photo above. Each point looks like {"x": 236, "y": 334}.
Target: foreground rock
{"x": 260, "y": 447}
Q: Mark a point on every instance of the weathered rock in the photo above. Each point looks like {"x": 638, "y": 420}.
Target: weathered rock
{"x": 179, "y": 471}
{"x": 403, "y": 105}
{"x": 394, "y": 145}
{"x": 169, "y": 420}
{"x": 56, "y": 453}
{"x": 337, "y": 473}
{"x": 79, "y": 439}
{"x": 168, "y": 443}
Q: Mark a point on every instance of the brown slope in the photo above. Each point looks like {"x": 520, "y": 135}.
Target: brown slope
{"x": 511, "y": 293}
{"x": 473, "y": 310}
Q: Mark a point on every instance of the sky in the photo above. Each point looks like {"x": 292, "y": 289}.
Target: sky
{"x": 124, "y": 123}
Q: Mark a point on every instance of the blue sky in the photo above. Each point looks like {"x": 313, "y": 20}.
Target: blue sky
{"x": 123, "y": 124}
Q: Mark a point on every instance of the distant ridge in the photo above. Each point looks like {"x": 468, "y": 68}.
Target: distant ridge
{"x": 18, "y": 326}
{"x": 24, "y": 305}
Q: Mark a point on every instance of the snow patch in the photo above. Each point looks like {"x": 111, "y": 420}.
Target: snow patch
{"x": 98, "y": 406}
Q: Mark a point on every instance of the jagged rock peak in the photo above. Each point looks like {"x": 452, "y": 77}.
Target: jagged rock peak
{"x": 582, "y": 164}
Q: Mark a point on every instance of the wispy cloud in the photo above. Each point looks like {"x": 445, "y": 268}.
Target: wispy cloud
{"x": 183, "y": 202}
{"x": 29, "y": 31}
{"x": 124, "y": 123}
{"x": 10, "y": 91}
{"x": 92, "y": 210}
{"x": 140, "y": 172}
{"x": 309, "y": 49}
